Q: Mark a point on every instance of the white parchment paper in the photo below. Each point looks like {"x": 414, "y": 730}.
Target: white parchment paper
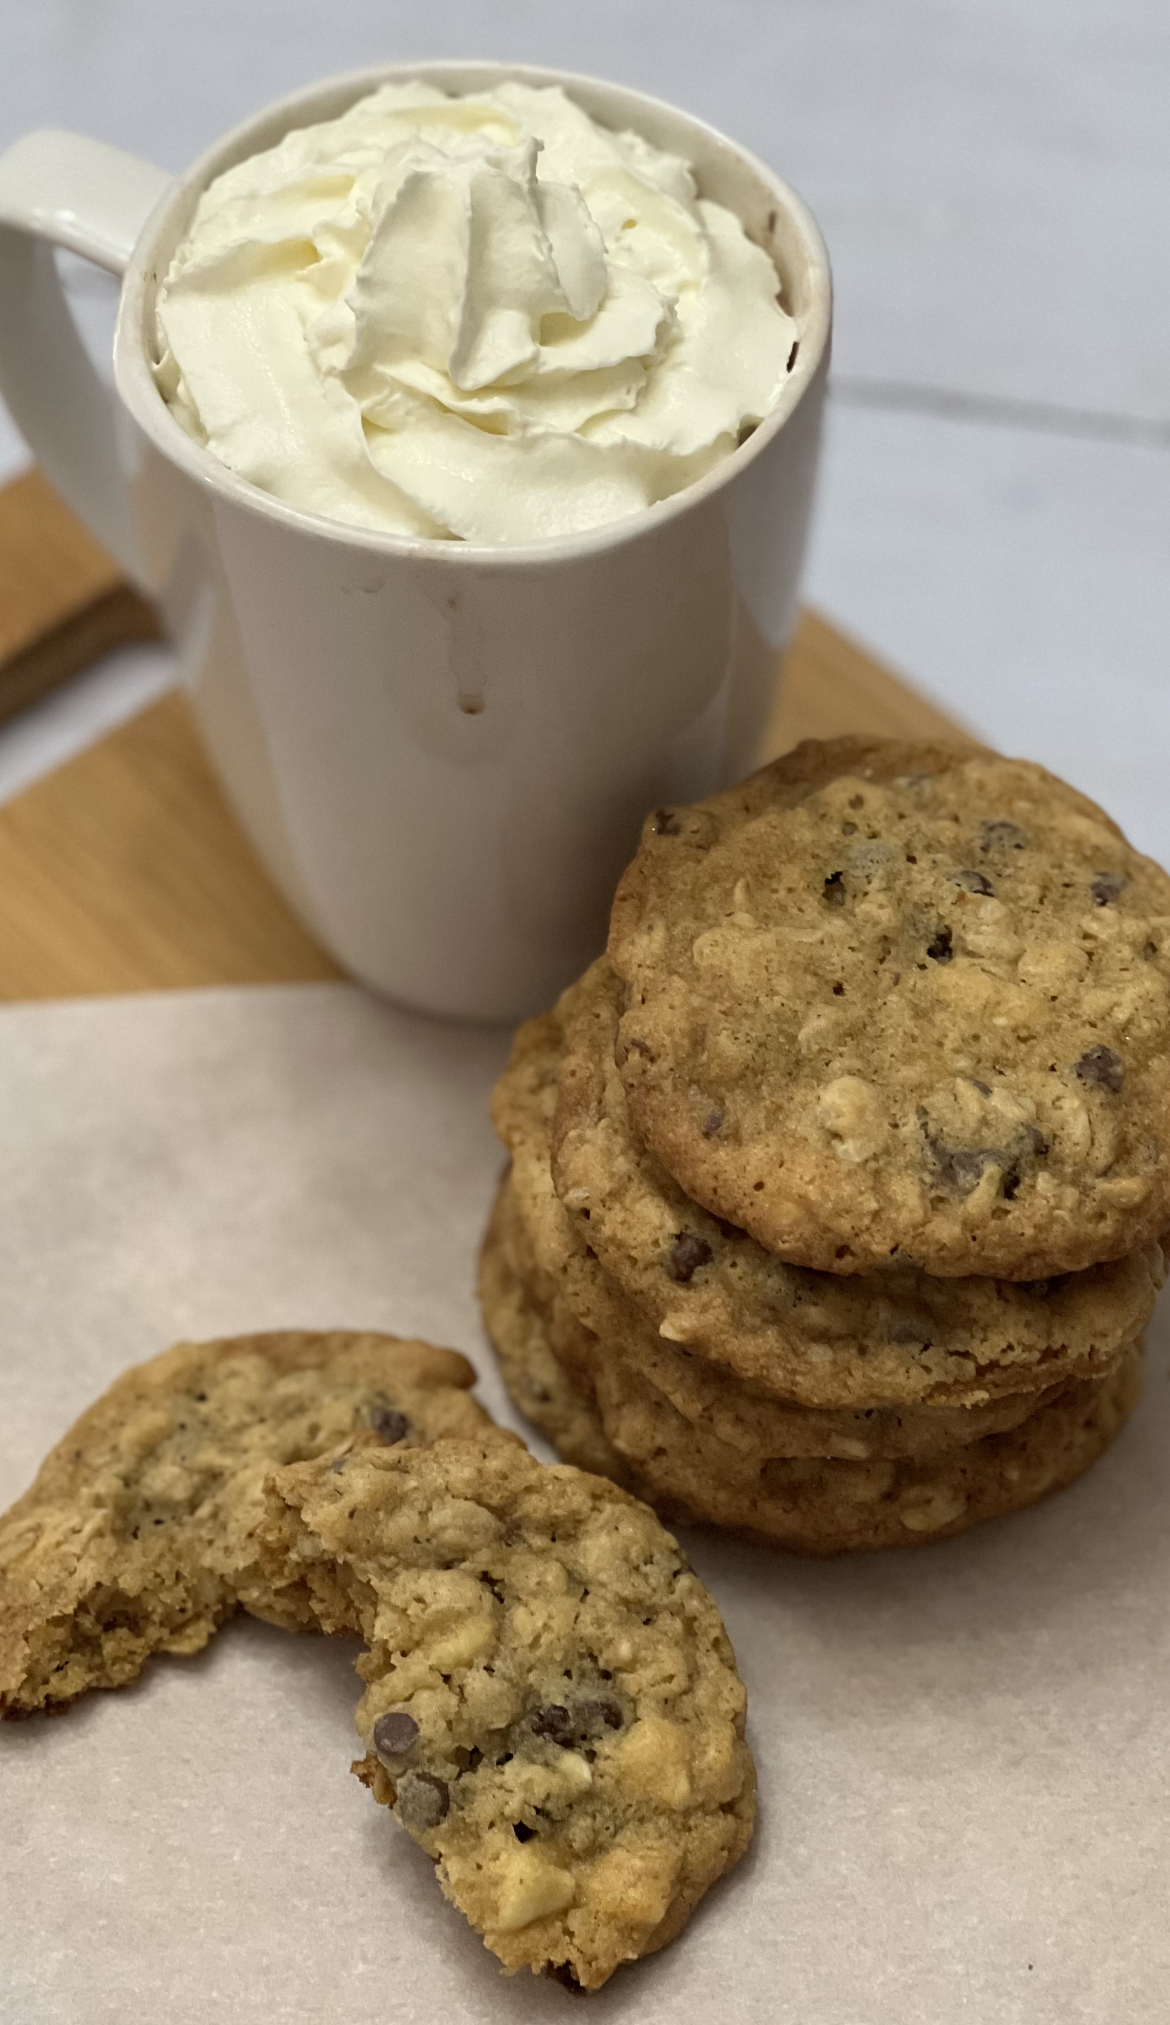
{"x": 963, "y": 1750}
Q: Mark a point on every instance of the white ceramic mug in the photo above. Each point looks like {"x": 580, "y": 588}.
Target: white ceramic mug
{"x": 441, "y": 750}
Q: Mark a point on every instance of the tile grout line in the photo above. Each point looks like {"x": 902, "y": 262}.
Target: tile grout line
{"x": 1002, "y": 411}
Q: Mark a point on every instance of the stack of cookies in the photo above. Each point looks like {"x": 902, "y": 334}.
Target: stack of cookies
{"x": 837, "y": 1185}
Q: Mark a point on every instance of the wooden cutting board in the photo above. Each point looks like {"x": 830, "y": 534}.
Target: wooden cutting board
{"x": 63, "y": 600}
{"x": 125, "y": 871}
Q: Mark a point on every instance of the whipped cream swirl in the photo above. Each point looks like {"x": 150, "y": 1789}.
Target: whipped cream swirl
{"x": 483, "y": 318}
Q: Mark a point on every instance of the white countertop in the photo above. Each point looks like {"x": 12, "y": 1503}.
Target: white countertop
{"x": 993, "y": 179}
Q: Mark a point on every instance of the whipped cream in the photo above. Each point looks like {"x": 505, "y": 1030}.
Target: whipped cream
{"x": 482, "y": 318}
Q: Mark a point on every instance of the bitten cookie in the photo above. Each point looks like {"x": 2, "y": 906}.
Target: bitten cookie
{"x": 138, "y": 1533}
{"x": 891, "y": 1003}
{"x": 553, "y": 1710}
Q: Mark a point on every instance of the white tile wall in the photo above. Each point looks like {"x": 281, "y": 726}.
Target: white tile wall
{"x": 993, "y": 177}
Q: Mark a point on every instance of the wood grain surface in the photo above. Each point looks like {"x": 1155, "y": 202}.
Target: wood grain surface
{"x": 125, "y": 871}
{"x": 63, "y": 600}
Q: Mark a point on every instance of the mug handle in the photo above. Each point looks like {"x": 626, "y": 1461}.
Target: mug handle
{"x": 59, "y": 189}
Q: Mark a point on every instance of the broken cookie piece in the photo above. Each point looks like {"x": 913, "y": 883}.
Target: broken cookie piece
{"x": 138, "y": 1534}
{"x": 552, "y": 1709}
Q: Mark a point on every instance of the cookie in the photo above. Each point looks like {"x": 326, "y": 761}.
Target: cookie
{"x": 552, "y": 1707}
{"x": 891, "y": 1003}
{"x": 138, "y": 1533}
{"x": 523, "y": 1104}
{"x": 831, "y": 1507}
{"x": 538, "y": 1383}
{"x": 705, "y": 1473}
{"x": 757, "y": 1426}
{"x": 896, "y": 1337}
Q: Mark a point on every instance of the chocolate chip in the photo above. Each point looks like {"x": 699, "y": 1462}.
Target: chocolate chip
{"x": 422, "y": 1800}
{"x": 1106, "y": 887}
{"x": 974, "y": 882}
{"x": 959, "y": 1167}
{"x": 1101, "y": 1066}
{"x": 388, "y": 1424}
{"x": 522, "y": 1831}
{"x": 665, "y": 823}
{"x": 906, "y": 1330}
{"x": 562, "y": 1973}
{"x": 1000, "y": 835}
{"x": 834, "y": 889}
{"x": 1035, "y": 1143}
{"x": 569, "y": 1728}
{"x": 553, "y": 1721}
{"x": 687, "y": 1253}
{"x": 395, "y": 1734}
{"x": 940, "y": 950}
{"x": 602, "y": 1711}
{"x": 963, "y": 1167}
{"x": 714, "y": 1122}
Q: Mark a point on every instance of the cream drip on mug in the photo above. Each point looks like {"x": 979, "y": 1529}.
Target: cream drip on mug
{"x": 483, "y": 318}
